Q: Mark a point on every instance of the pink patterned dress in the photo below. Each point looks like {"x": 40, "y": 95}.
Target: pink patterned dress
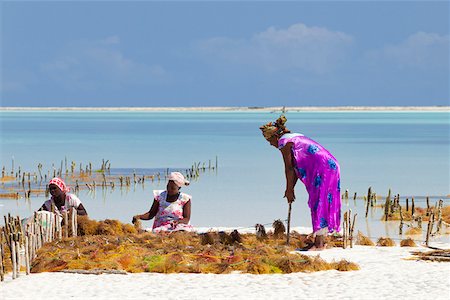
{"x": 168, "y": 212}
{"x": 319, "y": 170}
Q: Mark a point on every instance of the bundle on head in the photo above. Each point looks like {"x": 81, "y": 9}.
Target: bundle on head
{"x": 260, "y": 232}
{"x": 278, "y": 229}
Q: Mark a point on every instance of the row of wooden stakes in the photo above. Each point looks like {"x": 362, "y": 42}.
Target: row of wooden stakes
{"x": 88, "y": 178}
{"x": 24, "y": 238}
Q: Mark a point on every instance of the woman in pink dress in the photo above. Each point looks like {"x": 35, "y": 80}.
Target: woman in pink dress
{"x": 319, "y": 171}
{"x": 171, "y": 208}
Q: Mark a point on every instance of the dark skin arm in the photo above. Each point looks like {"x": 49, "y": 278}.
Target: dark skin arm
{"x": 43, "y": 208}
{"x": 291, "y": 177}
{"x": 81, "y": 211}
{"x": 148, "y": 215}
{"x": 154, "y": 209}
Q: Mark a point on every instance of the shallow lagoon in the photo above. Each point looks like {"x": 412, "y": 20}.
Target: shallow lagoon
{"x": 405, "y": 151}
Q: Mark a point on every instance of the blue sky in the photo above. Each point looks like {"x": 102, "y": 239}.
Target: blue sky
{"x": 143, "y": 53}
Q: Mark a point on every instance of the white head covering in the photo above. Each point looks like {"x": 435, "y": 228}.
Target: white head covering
{"x": 178, "y": 178}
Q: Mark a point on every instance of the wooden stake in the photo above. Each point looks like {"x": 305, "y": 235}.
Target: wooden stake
{"x": 344, "y": 225}
{"x": 74, "y": 233}
{"x": 387, "y": 205}
{"x": 13, "y": 257}
{"x": 429, "y": 228}
{"x": 351, "y": 230}
{"x": 2, "y": 255}
{"x": 27, "y": 256}
{"x": 288, "y": 223}
{"x": 66, "y": 225}
{"x": 369, "y": 196}
{"x": 401, "y": 222}
{"x": 439, "y": 218}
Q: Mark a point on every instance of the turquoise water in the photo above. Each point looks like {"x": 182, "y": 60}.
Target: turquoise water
{"x": 405, "y": 151}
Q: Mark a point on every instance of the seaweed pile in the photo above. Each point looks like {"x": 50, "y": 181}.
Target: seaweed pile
{"x": 111, "y": 245}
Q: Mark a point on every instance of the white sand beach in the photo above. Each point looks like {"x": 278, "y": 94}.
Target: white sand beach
{"x": 386, "y": 273}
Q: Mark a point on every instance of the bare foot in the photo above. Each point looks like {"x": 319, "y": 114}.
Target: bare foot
{"x": 319, "y": 243}
{"x": 314, "y": 248}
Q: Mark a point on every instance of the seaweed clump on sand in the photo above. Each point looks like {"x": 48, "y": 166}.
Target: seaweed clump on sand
{"x": 409, "y": 242}
{"x": 111, "y": 245}
{"x": 385, "y": 242}
{"x": 363, "y": 240}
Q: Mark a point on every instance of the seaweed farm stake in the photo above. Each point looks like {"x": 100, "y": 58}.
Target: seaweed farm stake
{"x": 2, "y": 255}
{"x": 369, "y": 195}
{"x": 66, "y": 225}
{"x": 439, "y": 221}
{"x": 351, "y": 230}
{"x": 407, "y": 204}
{"x": 387, "y": 205}
{"x": 27, "y": 255}
{"x": 429, "y": 228}
{"x": 400, "y": 230}
{"x": 344, "y": 231}
{"x": 13, "y": 257}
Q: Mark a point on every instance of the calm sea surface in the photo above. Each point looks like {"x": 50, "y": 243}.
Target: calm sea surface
{"x": 405, "y": 151}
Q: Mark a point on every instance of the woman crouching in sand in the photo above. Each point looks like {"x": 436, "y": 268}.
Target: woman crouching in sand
{"x": 171, "y": 208}
{"x": 317, "y": 168}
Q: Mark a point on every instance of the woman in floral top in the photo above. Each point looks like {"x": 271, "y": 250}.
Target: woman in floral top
{"x": 171, "y": 208}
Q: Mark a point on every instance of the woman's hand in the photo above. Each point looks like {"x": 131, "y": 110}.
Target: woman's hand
{"x": 135, "y": 218}
{"x": 289, "y": 195}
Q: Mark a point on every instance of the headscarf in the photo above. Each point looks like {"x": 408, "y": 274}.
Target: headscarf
{"x": 178, "y": 178}
{"x": 60, "y": 183}
{"x": 274, "y": 128}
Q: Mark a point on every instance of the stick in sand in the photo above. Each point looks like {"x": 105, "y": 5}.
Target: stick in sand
{"x": 288, "y": 224}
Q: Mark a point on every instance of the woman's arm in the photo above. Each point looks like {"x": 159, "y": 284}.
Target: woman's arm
{"x": 291, "y": 177}
{"x": 81, "y": 211}
{"x": 43, "y": 208}
{"x": 148, "y": 215}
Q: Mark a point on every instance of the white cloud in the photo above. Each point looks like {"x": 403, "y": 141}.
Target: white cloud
{"x": 314, "y": 49}
{"x": 111, "y": 40}
{"x": 60, "y": 64}
{"x": 420, "y": 50}
{"x": 82, "y": 64}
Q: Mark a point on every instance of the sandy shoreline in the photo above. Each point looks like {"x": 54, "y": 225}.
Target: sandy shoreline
{"x": 241, "y": 109}
{"x": 386, "y": 273}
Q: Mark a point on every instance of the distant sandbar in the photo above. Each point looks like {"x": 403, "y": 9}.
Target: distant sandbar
{"x": 239, "y": 108}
